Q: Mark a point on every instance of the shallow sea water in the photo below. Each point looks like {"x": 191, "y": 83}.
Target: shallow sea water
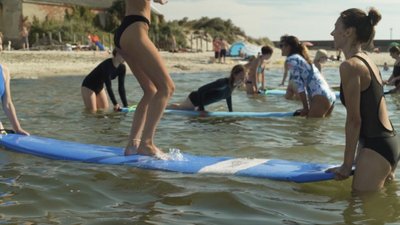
{"x": 40, "y": 191}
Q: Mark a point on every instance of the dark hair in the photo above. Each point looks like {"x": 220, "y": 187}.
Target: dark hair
{"x": 363, "y": 23}
{"x": 114, "y": 52}
{"x": 266, "y": 50}
{"x": 296, "y": 47}
{"x": 394, "y": 49}
{"x": 235, "y": 70}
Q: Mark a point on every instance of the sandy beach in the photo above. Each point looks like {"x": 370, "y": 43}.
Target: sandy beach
{"x": 32, "y": 64}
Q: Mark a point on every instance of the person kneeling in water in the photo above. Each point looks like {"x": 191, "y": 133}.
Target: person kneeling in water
{"x": 213, "y": 92}
{"x": 93, "y": 92}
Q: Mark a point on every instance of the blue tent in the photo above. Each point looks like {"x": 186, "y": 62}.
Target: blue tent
{"x": 235, "y": 48}
{"x": 246, "y": 48}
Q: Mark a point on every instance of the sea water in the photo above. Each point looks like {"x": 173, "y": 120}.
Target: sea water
{"x": 41, "y": 191}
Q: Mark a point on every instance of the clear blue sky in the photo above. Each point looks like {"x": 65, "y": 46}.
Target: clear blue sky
{"x": 306, "y": 19}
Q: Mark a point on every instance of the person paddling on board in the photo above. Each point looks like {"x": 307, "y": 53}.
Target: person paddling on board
{"x": 213, "y": 92}
{"x": 93, "y": 93}
{"x": 8, "y": 105}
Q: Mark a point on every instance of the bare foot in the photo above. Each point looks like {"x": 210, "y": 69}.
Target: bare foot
{"x": 132, "y": 147}
{"x": 152, "y": 150}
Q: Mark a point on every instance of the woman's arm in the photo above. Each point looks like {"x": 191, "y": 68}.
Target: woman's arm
{"x": 285, "y": 72}
{"x": 350, "y": 77}
{"x": 8, "y": 105}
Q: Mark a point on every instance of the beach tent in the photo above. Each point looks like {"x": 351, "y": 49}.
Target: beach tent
{"x": 247, "y": 49}
{"x": 235, "y": 48}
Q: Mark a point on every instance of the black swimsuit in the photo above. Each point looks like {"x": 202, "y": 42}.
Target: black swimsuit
{"x": 126, "y": 22}
{"x": 212, "y": 92}
{"x": 103, "y": 74}
{"x": 373, "y": 134}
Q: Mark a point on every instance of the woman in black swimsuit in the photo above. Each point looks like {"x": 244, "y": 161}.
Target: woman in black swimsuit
{"x": 143, "y": 58}
{"x": 368, "y": 128}
{"x": 93, "y": 93}
{"x": 394, "y": 79}
{"x": 213, "y": 92}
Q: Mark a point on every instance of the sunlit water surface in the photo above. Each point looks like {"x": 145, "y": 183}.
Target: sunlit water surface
{"x": 40, "y": 191}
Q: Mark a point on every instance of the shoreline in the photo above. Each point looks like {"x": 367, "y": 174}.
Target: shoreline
{"x": 35, "y": 64}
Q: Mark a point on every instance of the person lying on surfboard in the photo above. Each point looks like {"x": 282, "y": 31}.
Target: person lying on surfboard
{"x": 93, "y": 93}
{"x": 8, "y": 105}
{"x": 213, "y": 92}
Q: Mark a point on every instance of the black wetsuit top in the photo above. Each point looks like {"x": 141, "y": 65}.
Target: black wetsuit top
{"x": 103, "y": 74}
{"x": 212, "y": 92}
{"x": 396, "y": 73}
{"x": 373, "y": 134}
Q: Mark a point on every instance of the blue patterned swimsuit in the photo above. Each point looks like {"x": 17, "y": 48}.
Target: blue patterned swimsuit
{"x": 307, "y": 78}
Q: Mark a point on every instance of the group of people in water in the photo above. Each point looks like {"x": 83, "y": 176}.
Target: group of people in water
{"x": 371, "y": 145}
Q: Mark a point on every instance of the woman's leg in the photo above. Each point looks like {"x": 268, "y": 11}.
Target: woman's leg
{"x": 319, "y": 107}
{"x": 372, "y": 170}
{"x": 140, "y": 53}
{"x": 102, "y": 100}
{"x": 89, "y": 99}
{"x": 185, "y": 105}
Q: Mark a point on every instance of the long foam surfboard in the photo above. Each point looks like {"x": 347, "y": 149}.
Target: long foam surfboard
{"x": 275, "y": 169}
{"x": 283, "y": 92}
{"x": 221, "y": 113}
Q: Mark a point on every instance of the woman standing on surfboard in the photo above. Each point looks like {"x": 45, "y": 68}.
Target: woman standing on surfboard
{"x": 132, "y": 40}
{"x": 314, "y": 92}
{"x": 368, "y": 127}
{"x": 8, "y": 105}
{"x": 213, "y": 92}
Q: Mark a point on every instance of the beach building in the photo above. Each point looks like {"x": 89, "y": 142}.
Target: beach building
{"x": 13, "y": 13}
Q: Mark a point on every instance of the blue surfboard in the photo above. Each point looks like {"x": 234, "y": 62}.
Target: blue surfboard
{"x": 221, "y": 113}
{"x": 281, "y": 92}
{"x": 275, "y": 169}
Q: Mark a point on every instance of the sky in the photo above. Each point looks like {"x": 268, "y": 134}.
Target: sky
{"x": 306, "y": 19}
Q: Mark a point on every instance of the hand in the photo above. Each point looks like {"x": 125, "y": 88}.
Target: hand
{"x": 162, "y": 2}
{"x": 301, "y": 112}
{"x": 117, "y": 108}
{"x": 341, "y": 173}
{"x": 22, "y": 131}
{"x": 203, "y": 113}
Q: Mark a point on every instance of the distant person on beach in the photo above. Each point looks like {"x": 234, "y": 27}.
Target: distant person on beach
{"x": 143, "y": 58}
{"x": 217, "y": 49}
{"x": 338, "y": 54}
{"x": 314, "y": 92}
{"x": 256, "y": 69}
{"x": 371, "y": 143}
{"x": 93, "y": 93}
{"x": 321, "y": 57}
{"x": 7, "y": 103}
{"x": 25, "y": 37}
{"x": 213, "y": 92}
{"x": 385, "y": 66}
{"x": 224, "y": 46}
{"x": 394, "y": 79}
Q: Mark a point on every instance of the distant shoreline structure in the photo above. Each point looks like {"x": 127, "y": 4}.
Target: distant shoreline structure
{"x": 382, "y": 44}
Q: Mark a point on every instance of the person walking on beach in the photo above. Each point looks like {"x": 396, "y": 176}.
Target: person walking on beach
{"x": 7, "y": 103}
{"x": 93, "y": 93}
{"x": 213, "y": 92}
{"x": 394, "y": 79}
{"x": 224, "y": 46}
{"x": 256, "y": 70}
{"x": 314, "y": 92}
{"x": 371, "y": 143}
{"x": 217, "y": 49}
{"x": 133, "y": 42}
